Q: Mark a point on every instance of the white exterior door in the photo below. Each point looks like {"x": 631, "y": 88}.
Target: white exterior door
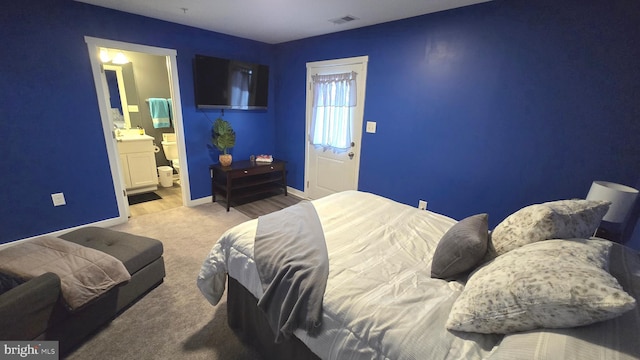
{"x": 326, "y": 171}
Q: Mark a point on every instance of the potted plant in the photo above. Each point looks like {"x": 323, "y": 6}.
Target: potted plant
{"x": 223, "y": 137}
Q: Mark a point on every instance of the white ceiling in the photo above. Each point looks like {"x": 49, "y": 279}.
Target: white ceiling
{"x": 276, "y": 21}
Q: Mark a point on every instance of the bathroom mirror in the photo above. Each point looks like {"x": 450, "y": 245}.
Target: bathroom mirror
{"x": 123, "y": 95}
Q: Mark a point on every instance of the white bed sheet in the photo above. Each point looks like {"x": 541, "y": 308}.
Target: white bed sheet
{"x": 380, "y": 301}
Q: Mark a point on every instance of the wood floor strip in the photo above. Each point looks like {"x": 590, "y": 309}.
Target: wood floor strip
{"x": 261, "y": 207}
{"x": 172, "y": 198}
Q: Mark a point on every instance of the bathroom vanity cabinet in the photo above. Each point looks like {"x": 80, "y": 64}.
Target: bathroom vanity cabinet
{"x": 139, "y": 164}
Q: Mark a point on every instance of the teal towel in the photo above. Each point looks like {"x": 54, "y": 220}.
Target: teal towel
{"x": 160, "y": 115}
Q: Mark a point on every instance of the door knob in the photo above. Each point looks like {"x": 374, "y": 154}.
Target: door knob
{"x": 351, "y": 155}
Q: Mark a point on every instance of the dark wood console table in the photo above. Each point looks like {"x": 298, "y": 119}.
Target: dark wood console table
{"x": 247, "y": 178}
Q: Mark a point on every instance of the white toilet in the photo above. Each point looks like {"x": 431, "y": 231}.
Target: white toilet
{"x": 170, "y": 148}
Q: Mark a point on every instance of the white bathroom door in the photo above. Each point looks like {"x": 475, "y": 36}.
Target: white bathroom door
{"x": 326, "y": 171}
{"x": 124, "y": 175}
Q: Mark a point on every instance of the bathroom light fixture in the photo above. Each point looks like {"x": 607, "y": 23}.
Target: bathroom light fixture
{"x": 104, "y": 55}
{"x": 120, "y": 59}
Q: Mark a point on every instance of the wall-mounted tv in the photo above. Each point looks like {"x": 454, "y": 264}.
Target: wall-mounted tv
{"x": 230, "y": 84}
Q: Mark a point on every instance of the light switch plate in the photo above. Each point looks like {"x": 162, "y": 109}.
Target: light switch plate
{"x": 58, "y": 199}
{"x": 371, "y": 127}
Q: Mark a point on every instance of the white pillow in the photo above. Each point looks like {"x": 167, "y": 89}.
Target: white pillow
{"x": 563, "y": 219}
{"x": 548, "y": 284}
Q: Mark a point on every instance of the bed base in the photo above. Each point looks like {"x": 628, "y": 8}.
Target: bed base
{"x": 251, "y": 325}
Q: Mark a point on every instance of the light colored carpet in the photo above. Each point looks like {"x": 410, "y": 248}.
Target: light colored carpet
{"x": 174, "y": 321}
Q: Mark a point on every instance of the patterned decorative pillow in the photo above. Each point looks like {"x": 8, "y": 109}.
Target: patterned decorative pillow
{"x": 563, "y": 219}
{"x": 548, "y": 284}
{"x": 461, "y": 247}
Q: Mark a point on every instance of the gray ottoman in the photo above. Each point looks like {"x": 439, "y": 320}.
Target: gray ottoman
{"x": 142, "y": 256}
{"x": 134, "y": 251}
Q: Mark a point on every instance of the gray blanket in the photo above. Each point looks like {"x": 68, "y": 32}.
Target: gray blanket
{"x": 85, "y": 273}
{"x": 293, "y": 265}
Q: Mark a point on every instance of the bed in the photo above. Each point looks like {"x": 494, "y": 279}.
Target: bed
{"x": 381, "y": 301}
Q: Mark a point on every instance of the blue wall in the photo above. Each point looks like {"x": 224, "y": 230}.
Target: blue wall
{"x": 52, "y": 139}
{"x": 486, "y": 108}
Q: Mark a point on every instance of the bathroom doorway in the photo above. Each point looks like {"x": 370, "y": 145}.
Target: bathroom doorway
{"x": 127, "y": 76}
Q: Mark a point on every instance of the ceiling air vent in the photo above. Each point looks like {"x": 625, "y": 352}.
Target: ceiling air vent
{"x": 344, "y": 19}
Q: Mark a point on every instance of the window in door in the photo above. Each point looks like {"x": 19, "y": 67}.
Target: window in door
{"x": 334, "y": 101}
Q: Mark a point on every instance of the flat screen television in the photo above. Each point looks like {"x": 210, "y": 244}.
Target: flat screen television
{"x": 230, "y": 84}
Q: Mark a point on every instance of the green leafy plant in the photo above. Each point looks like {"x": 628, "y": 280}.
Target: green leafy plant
{"x": 222, "y": 135}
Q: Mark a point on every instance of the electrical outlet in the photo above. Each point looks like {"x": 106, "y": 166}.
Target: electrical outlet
{"x": 422, "y": 205}
{"x": 58, "y": 199}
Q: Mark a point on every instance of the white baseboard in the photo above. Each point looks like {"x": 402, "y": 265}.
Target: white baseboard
{"x": 296, "y": 192}
{"x": 102, "y": 223}
{"x": 117, "y": 221}
{"x": 200, "y": 201}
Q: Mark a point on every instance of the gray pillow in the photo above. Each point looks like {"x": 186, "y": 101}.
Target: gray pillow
{"x": 8, "y": 282}
{"x": 461, "y": 248}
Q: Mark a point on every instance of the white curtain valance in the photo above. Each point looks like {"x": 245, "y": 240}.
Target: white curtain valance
{"x": 334, "y": 77}
{"x": 334, "y": 89}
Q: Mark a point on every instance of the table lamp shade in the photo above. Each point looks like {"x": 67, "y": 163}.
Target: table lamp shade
{"x": 621, "y": 197}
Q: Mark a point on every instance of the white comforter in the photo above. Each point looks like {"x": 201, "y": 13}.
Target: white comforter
{"x": 380, "y": 301}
